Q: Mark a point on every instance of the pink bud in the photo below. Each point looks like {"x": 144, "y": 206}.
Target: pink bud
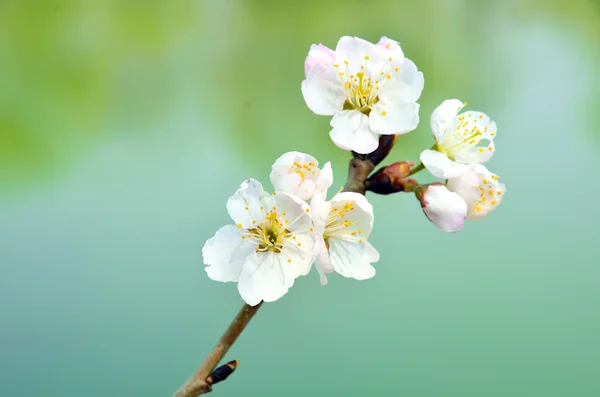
{"x": 445, "y": 209}
{"x": 319, "y": 54}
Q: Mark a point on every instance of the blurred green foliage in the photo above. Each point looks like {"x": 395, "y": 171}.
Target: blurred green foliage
{"x": 125, "y": 125}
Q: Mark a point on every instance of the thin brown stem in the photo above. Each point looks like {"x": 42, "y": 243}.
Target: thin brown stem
{"x": 196, "y": 384}
{"x": 358, "y": 172}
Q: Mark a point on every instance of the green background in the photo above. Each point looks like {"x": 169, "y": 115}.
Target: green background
{"x": 125, "y": 126}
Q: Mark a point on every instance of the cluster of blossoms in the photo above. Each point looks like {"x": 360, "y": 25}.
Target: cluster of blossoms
{"x": 277, "y": 237}
{"x": 371, "y": 90}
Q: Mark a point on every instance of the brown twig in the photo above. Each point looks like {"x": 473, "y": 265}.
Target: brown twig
{"x": 362, "y": 165}
{"x": 196, "y": 384}
{"x": 359, "y": 170}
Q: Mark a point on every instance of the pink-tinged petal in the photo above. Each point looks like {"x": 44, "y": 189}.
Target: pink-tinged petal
{"x": 297, "y": 173}
{"x": 444, "y": 118}
{"x": 351, "y": 132}
{"x": 265, "y": 276}
{"x": 466, "y": 186}
{"x": 440, "y": 166}
{"x": 392, "y": 46}
{"x": 319, "y": 55}
{"x": 225, "y": 253}
{"x": 445, "y": 209}
{"x": 388, "y": 117}
{"x": 322, "y": 92}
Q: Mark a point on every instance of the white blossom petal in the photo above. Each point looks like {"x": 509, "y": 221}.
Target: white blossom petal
{"x": 352, "y": 51}
{"x": 296, "y": 211}
{"x": 350, "y": 258}
{"x": 440, "y": 166}
{"x": 444, "y": 118}
{"x": 348, "y": 225}
{"x": 392, "y": 46}
{"x": 325, "y": 179}
{"x": 371, "y": 254}
{"x": 476, "y": 154}
{"x": 404, "y": 86}
{"x": 300, "y": 253}
{"x": 480, "y": 189}
{"x": 445, "y": 209}
{"x": 467, "y": 186}
{"x": 351, "y": 132}
{"x": 244, "y": 205}
{"x": 322, "y": 261}
{"x": 361, "y": 214}
{"x": 388, "y": 117}
{"x": 225, "y": 253}
{"x": 272, "y": 243}
{"x": 322, "y": 92}
{"x": 265, "y": 276}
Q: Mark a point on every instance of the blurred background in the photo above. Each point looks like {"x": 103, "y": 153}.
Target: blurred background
{"x": 125, "y": 126}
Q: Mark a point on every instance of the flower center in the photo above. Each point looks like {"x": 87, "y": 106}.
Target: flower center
{"x": 362, "y": 92}
{"x": 463, "y": 138}
{"x": 270, "y": 234}
{"x": 363, "y": 87}
{"x": 273, "y": 233}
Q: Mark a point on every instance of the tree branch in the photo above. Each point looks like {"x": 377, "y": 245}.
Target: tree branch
{"x": 196, "y": 384}
{"x": 362, "y": 165}
{"x": 359, "y": 169}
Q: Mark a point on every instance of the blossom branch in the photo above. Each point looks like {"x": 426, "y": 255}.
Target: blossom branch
{"x": 362, "y": 165}
{"x": 197, "y": 384}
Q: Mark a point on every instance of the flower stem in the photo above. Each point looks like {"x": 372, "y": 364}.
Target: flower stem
{"x": 196, "y": 384}
{"x": 418, "y": 168}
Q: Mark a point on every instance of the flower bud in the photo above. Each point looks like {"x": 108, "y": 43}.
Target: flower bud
{"x": 392, "y": 179}
{"x": 445, "y": 209}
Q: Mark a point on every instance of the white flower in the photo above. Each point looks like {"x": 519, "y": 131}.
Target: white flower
{"x": 445, "y": 209}
{"x": 462, "y": 139}
{"x": 369, "y": 89}
{"x": 298, "y": 173}
{"x": 270, "y": 245}
{"x": 479, "y": 188}
{"x": 345, "y": 222}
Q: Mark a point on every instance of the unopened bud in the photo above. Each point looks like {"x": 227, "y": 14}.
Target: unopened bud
{"x": 445, "y": 209}
{"x": 392, "y": 179}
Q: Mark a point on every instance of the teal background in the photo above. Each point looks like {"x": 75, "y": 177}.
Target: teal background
{"x": 125, "y": 126}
